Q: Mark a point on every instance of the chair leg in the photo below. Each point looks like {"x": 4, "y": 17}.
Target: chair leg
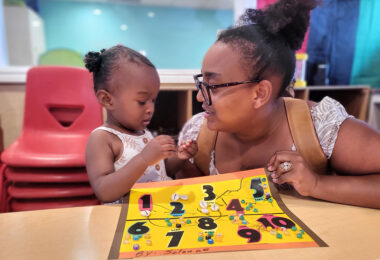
{"x": 3, "y": 189}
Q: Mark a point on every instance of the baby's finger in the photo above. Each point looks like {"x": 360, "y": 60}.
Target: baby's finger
{"x": 170, "y": 153}
{"x": 166, "y": 139}
{"x": 169, "y": 147}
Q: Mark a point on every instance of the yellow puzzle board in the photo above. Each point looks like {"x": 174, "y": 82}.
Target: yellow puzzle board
{"x": 244, "y": 213}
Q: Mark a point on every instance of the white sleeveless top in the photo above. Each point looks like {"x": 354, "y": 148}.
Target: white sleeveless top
{"x": 133, "y": 145}
{"x": 327, "y": 116}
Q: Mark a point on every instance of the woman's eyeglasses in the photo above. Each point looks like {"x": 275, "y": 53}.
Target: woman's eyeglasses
{"x": 205, "y": 88}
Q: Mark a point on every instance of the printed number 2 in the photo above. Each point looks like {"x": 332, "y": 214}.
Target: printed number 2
{"x": 178, "y": 209}
{"x": 209, "y": 190}
{"x": 176, "y": 238}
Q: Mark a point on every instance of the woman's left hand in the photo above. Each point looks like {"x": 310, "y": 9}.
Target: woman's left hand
{"x": 187, "y": 149}
{"x": 290, "y": 167}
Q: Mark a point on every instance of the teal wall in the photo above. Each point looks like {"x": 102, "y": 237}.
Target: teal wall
{"x": 366, "y": 66}
{"x": 175, "y": 38}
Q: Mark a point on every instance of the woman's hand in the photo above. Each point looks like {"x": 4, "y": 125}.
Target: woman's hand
{"x": 290, "y": 167}
{"x": 187, "y": 150}
{"x": 158, "y": 148}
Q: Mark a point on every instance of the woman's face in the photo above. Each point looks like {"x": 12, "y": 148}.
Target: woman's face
{"x": 231, "y": 106}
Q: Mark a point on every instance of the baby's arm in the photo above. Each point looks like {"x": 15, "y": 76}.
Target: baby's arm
{"x": 110, "y": 185}
{"x": 186, "y": 151}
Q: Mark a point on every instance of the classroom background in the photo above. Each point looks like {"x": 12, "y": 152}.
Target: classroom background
{"x": 340, "y": 58}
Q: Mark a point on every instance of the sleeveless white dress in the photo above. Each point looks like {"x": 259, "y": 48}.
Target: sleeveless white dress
{"x": 133, "y": 145}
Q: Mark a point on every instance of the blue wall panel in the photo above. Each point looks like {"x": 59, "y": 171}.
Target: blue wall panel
{"x": 173, "y": 38}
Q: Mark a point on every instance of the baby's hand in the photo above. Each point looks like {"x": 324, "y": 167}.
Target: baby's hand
{"x": 187, "y": 149}
{"x": 158, "y": 148}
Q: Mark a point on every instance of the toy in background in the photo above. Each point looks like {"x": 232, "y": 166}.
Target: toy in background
{"x": 300, "y": 71}
{"x": 61, "y": 57}
{"x": 315, "y": 74}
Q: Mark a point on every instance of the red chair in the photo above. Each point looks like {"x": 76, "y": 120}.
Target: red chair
{"x": 23, "y": 205}
{"x": 2, "y": 181}
{"x": 3, "y": 190}
{"x": 60, "y": 112}
{"x": 47, "y": 160}
{"x": 46, "y": 175}
{"x": 47, "y": 191}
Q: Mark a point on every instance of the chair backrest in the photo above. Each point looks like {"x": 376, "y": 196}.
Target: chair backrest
{"x": 60, "y": 100}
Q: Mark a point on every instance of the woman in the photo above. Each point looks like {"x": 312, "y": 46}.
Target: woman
{"x": 245, "y": 73}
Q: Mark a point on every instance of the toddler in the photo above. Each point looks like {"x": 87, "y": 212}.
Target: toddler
{"x": 122, "y": 151}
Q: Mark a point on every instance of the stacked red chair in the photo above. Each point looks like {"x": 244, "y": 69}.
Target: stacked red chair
{"x": 45, "y": 167}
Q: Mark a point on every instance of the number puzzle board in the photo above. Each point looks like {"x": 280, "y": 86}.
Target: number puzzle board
{"x": 227, "y": 212}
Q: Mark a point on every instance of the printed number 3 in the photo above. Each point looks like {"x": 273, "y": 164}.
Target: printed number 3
{"x": 209, "y": 190}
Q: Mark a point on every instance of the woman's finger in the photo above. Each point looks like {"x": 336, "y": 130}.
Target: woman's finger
{"x": 286, "y": 177}
{"x": 280, "y": 157}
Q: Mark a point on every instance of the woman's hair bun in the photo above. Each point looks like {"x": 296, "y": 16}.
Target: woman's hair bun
{"x": 93, "y": 60}
{"x": 289, "y": 18}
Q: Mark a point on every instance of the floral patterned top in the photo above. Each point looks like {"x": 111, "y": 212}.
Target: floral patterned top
{"x": 327, "y": 116}
{"x": 133, "y": 145}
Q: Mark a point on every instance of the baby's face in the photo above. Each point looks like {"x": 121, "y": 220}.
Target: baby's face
{"x": 135, "y": 89}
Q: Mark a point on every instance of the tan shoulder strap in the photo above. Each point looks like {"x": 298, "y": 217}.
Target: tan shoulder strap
{"x": 303, "y": 133}
{"x": 206, "y": 143}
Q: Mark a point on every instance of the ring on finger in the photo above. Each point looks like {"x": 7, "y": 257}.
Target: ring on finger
{"x": 285, "y": 166}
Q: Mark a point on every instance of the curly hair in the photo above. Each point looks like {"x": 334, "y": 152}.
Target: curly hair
{"x": 103, "y": 63}
{"x": 267, "y": 39}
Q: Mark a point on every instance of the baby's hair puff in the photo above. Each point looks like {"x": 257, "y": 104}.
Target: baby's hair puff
{"x": 102, "y": 64}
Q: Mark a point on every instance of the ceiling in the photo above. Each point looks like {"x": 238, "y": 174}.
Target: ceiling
{"x": 202, "y": 4}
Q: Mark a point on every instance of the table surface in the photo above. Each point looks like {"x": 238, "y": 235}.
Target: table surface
{"x": 87, "y": 233}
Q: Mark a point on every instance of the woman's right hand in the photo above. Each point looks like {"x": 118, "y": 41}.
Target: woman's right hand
{"x": 159, "y": 148}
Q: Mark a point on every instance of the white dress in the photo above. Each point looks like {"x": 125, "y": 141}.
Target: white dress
{"x": 327, "y": 116}
{"x": 133, "y": 145}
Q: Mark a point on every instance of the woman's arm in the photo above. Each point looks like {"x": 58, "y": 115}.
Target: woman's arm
{"x": 356, "y": 157}
{"x": 356, "y": 153}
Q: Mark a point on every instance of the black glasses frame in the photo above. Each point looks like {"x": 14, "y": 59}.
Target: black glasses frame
{"x": 207, "y": 96}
